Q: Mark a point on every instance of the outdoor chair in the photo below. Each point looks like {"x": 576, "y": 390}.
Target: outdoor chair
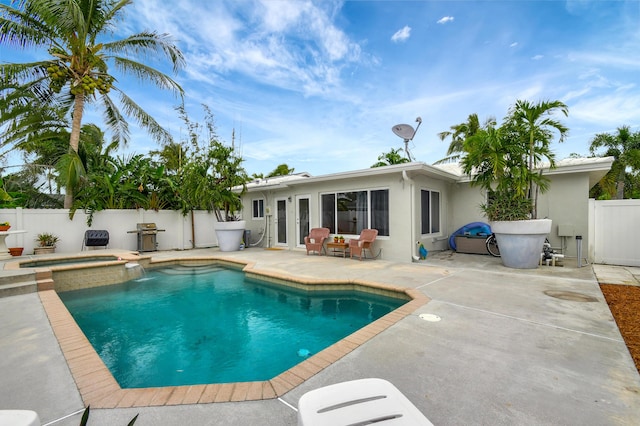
{"x": 358, "y": 402}
{"x": 315, "y": 240}
{"x": 358, "y": 246}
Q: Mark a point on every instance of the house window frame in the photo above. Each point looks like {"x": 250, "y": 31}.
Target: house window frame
{"x": 431, "y": 230}
{"x": 257, "y": 206}
{"x": 334, "y": 214}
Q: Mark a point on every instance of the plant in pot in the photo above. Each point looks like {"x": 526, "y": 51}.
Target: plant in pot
{"x": 505, "y": 161}
{"x": 46, "y": 243}
{"x": 4, "y": 226}
{"x": 213, "y": 179}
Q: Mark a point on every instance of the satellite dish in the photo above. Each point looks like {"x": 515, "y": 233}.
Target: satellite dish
{"x": 405, "y": 131}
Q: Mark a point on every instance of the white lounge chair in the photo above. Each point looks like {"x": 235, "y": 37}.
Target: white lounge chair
{"x": 358, "y": 402}
{"x": 19, "y": 418}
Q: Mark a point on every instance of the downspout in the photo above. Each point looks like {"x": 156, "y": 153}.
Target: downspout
{"x": 406, "y": 178}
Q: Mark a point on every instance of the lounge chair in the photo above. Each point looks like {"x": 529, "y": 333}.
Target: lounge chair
{"x": 315, "y": 240}
{"x": 358, "y": 246}
{"x": 358, "y": 402}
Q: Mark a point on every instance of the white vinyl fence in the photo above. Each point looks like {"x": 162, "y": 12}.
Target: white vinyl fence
{"x": 615, "y": 226}
{"x": 177, "y": 235}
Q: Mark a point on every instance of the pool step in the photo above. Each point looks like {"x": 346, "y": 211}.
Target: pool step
{"x": 13, "y": 283}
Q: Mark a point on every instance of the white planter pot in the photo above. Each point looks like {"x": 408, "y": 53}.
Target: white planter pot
{"x": 230, "y": 234}
{"x": 521, "y": 241}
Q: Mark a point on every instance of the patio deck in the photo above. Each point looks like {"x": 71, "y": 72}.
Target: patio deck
{"x": 510, "y": 349}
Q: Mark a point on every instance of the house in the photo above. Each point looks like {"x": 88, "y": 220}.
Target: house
{"x": 407, "y": 203}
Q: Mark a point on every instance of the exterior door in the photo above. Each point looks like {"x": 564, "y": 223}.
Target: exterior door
{"x": 302, "y": 218}
{"x": 281, "y": 222}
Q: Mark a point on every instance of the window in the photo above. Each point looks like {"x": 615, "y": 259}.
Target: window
{"x": 430, "y": 212}
{"x": 351, "y": 212}
{"x": 258, "y": 209}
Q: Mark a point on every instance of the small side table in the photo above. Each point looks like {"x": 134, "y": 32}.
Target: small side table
{"x": 4, "y": 250}
{"x": 338, "y": 248}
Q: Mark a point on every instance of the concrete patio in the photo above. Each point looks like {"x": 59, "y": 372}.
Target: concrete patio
{"x": 526, "y": 347}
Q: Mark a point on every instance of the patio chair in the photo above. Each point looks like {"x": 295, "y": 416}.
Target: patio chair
{"x": 315, "y": 240}
{"x": 358, "y": 402}
{"x": 358, "y": 246}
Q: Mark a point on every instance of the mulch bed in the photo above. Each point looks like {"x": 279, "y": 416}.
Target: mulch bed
{"x": 624, "y": 303}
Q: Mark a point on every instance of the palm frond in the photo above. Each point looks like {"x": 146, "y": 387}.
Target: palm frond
{"x": 144, "y": 72}
{"x": 145, "y": 120}
{"x": 148, "y": 44}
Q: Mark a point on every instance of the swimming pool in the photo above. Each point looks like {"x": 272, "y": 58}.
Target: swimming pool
{"x": 194, "y": 325}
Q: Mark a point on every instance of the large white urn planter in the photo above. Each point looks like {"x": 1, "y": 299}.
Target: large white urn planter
{"x": 521, "y": 241}
{"x": 230, "y": 234}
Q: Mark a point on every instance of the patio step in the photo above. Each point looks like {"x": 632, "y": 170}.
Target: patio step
{"x": 18, "y": 282}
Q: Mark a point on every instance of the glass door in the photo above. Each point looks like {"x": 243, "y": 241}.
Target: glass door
{"x": 281, "y": 222}
{"x": 302, "y": 218}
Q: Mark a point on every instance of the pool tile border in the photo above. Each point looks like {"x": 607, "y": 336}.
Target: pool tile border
{"x": 99, "y": 388}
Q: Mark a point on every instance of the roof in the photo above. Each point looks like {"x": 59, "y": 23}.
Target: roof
{"x": 596, "y": 167}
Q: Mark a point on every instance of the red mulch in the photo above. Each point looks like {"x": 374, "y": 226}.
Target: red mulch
{"x": 624, "y": 303}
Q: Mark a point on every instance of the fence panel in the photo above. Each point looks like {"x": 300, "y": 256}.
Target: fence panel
{"x": 617, "y": 232}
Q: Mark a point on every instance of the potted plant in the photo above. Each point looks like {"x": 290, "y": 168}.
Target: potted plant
{"x": 4, "y": 226}
{"x": 505, "y": 161}
{"x": 16, "y": 251}
{"x": 214, "y": 180}
{"x": 46, "y": 243}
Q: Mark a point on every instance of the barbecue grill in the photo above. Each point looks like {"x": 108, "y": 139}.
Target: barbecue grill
{"x": 147, "y": 236}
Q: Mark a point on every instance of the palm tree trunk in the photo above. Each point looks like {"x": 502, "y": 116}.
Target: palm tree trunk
{"x": 74, "y": 141}
{"x": 620, "y": 186}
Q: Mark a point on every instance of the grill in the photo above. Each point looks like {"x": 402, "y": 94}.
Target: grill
{"x": 147, "y": 236}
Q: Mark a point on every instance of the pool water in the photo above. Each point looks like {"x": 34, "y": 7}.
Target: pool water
{"x": 198, "y": 325}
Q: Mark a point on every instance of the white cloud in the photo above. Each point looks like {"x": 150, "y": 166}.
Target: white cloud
{"x": 445, "y": 19}
{"x": 537, "y": 57}
{"x": 514, "y": 44}
{"x": 402, "y": 34}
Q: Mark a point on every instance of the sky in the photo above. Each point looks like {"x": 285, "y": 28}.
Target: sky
{"x": 319, "y": 85}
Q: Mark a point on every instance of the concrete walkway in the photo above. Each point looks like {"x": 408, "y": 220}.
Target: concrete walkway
{"x": 534, "y": 347}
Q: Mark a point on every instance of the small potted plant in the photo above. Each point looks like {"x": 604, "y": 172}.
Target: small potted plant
{"x": 336, "y": 239}
{"x": 4, "y": 226}
{"x": 47, "y": 243}
{"x": 341, "y": 239}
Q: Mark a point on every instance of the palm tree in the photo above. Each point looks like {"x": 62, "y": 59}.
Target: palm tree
{"x": 461, "y": 132}
{"x": 534, "y": 123}
{"x": 281, "y": 170}
{"x": 390, "y": 158}
{"x": 74, "y": 32}
{"x": 624, "y": 146}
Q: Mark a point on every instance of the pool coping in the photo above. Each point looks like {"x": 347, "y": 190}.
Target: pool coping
{"x": 98, "y": 387}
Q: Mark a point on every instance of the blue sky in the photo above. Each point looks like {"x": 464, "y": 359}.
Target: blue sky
{"x": 318, "y": 85}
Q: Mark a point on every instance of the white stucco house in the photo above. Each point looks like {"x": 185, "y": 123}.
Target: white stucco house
{"x": 406, "y": 203}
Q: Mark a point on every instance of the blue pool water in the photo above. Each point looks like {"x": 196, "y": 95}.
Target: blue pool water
{"x": 197, "y": 325}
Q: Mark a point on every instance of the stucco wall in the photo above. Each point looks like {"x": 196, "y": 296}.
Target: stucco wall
{"x": 566, "y": 203}
{"x": 404, "y": 212}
